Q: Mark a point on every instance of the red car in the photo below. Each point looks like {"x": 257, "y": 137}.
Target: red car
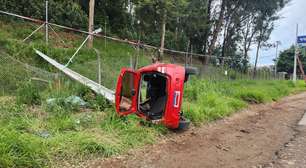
{"x": 154, "y": 93}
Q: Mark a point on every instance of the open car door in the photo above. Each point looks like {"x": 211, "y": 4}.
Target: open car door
{"x": 126, "y": 92}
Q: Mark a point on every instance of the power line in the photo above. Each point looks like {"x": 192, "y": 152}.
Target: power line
{"x": 115, "y": 39}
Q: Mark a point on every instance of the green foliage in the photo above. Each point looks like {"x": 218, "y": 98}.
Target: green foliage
{"x": 94, "y": 101}
{"x": 28, "y": 94}
{"x": 90, "y": 147}
{"x": 21, "y": 150}
{"x": 285, "y": 60}
{"x": 65, "y": 12}
{"x": 61, "y": 123}
{"x": 128, "y": 130}
{"x": 252, "y": 96}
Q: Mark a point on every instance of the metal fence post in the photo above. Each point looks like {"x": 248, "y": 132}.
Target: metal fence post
{"x": 47, "y": 23}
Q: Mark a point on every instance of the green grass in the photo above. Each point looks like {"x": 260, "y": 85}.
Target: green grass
{"x": 34, "y": 133}
{"x": 211, "y": 100}
{"x": 38, "y": 138}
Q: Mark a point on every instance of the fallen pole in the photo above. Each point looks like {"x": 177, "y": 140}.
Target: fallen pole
{"x": 99, "y": 89}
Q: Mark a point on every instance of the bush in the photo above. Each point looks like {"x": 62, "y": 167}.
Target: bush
{"x": 28, "y": 94}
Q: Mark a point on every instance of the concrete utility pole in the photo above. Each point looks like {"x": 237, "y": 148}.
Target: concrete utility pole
{"x": 47, "y": 24}
{"x": 296, "y": 53}
{"x": 91, "y": 22}
{"x": 277, "y": 43}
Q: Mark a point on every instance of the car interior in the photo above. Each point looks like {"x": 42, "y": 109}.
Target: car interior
{"x": 153, "y": 95}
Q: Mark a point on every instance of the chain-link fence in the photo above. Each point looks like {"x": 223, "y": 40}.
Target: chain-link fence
{"x": 13, "y": 73}
{"x": 213, "y": 70}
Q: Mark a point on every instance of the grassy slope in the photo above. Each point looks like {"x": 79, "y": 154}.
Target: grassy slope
{"x": 46, "y": 136}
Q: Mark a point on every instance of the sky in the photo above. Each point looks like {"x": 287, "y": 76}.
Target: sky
{"x": 285, "y": 31}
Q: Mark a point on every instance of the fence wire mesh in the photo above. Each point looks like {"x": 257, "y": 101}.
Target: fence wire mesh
{"x": 13, "y": 73}
{"x": 113, "y": 57}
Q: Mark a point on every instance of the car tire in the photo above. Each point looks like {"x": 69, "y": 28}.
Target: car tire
{"x": 190, "y": 71}
{"x": 183, "y": 124}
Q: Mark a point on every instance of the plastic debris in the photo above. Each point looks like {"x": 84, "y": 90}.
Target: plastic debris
{"x": 75, "y": 100}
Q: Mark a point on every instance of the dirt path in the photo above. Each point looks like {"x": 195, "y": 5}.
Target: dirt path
{"x": 293, "y": 153}
{"x": 251, "y": 138}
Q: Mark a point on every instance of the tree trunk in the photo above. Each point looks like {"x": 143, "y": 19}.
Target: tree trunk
{"x": 256, "y": 60}
{"x": 206, "y": 35}
{"x": 216, "y": 32}
{"x": 224, "y": 45}
{"x": 91, "y": 22}
{"x": 176, "y": 33}
{"x": 163, "y": 34}
{"x": 245, "y": 57}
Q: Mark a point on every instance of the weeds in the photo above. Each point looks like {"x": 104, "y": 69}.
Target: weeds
{"x": 209, "y": 100}
{"x": 28, "y": 94}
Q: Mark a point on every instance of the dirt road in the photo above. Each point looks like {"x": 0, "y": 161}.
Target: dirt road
{"x": 260, "y": 136}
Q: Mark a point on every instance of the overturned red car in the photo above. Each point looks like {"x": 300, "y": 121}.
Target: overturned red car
{"x": 154, "y": 93}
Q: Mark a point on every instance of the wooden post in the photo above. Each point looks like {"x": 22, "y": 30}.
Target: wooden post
{"x": 91, "y": 22}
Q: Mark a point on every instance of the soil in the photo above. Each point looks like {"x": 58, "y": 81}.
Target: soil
{"x": 259, "y": 136}
{"x": 292, "y": 155}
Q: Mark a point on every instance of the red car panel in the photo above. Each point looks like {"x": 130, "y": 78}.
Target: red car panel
{"x": 175, "y": 75}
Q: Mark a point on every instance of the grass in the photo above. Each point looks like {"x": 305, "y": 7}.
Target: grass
{"x": 35, "y": 137}
{"x": 34, "y": 133}
{"x": 211, "y": 100}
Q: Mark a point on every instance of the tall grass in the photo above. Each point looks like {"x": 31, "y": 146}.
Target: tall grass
{"x": 211, "y": 100}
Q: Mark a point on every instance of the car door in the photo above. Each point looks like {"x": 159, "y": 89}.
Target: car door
{"x": 126, "y": 92}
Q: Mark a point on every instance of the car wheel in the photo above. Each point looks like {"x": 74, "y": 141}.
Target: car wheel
{"x": 183, "y": 124}
{"x": 190, "y": 71}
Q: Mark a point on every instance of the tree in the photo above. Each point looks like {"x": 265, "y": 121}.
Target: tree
{"x": 285, "y": 61}
{"x": 268, "y": 11}
{"x": 64, "y": 12}
{"x": 163, "y": 11}
{"x": 196, "y": 25}
{"x": 249, "y": 30}
{"x": 217, "y": 29}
